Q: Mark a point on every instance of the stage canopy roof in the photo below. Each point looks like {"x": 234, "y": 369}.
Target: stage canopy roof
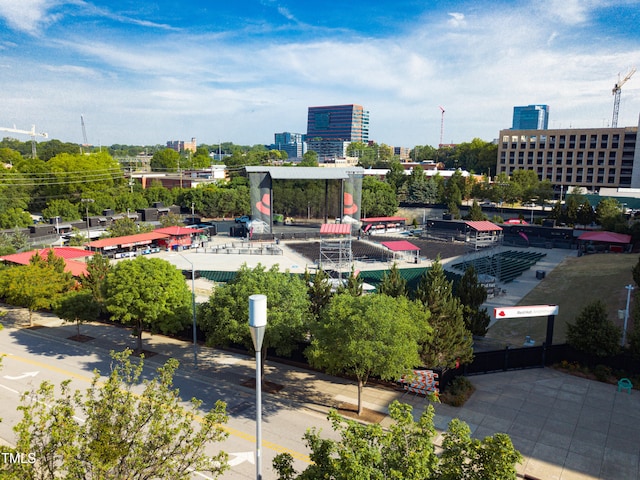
{"x": 483, "y": 226}
{"x": 335, "y": 229}
{"x": 607, "y": 237}
{"x": 401, "y": 246}
{"x": 306, "y": 173}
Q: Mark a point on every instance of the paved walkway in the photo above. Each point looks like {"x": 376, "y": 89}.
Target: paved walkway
{"x": 566, "y": 427}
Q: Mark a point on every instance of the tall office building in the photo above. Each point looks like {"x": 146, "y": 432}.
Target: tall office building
{"x": 531, "y": 117}
{"x": 292, "y": 143}
{"x": 330, "y": 129}
{"x": 590, "y": 158}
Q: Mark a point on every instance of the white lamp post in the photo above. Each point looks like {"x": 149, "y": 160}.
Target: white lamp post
{"x": 626, "y": 315}
{"x": 193, "y": 309}
{"x": 258, "y": 325}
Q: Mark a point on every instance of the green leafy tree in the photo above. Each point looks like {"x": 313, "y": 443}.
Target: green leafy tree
{"x": 15, "y": 217}
{"x": 353, "y": 285}
{"x": 148, "y": 293}
{"x": 78, "y": 306}
{"x": 369, "y": 335}
{"x": 609, "y": 214}
{"x": 309, "y": 159}
{"x": 319, "y": 291}
{"x": 586, "y": 215}
{"x": 126, "y": 226}
{"x": 124, "y": 434}
{"x": 475, "y": 212}
{"x": 225, "y": 318}
{"x": 171, "y": 220}
{"x": 472, "y": 294}
{"x": 36, "y": 286}
{"x": 405, "y": 450}
{"x": 466, "y": 458}
{"x": 166, "y": 160}
{"x": 98, "y": 268}
{"x": 393, "y": 284}
{"x": 378, "y": 198}
{"x": 593, "y": 332}
{"x": 451, "y": 342}
{"x": 62, "y": 208}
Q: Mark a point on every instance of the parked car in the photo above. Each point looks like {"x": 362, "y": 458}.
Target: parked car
{"x": 243, "y": 219}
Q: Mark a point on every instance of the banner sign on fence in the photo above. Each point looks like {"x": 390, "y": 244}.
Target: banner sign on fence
{"x": 525, "y": 311}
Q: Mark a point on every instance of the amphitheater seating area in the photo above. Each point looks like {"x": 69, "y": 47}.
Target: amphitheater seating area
{"x": 505, "y": 266}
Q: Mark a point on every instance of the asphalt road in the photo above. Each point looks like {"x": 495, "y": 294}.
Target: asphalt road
{"x": 31, "y": 358}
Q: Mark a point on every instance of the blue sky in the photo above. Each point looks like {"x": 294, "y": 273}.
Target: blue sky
{"x": 146, "y": 72}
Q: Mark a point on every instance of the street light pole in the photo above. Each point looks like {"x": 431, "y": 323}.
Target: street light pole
{"x": 257, "y": 325}
{"x": 86, "y": 202}
{"x": 193, "y": 309}
{"x": 626, "y": 315}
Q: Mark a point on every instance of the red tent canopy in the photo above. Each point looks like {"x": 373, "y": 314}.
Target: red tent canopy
{"x": 401, "y": 246}
{"x": 607, "y": 237}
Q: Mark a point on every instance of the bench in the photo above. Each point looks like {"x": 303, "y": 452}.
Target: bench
{"x": 625, "y": 384}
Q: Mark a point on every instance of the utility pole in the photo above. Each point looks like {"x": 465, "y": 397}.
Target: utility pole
{"x": 86, "y": 202}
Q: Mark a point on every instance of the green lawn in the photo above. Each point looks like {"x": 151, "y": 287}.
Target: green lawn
{"x": 576, "y": 282}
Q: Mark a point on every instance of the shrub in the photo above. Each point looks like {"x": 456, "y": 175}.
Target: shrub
{"x": 602, "y": 373}
{"x": 458, "y": 392}
{"x": 593, "y": 332}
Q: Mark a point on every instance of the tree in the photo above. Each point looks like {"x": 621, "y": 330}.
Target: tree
{"x": 593, "y": 332}
{"x": 78, "y": 306}
{"x": 475, "y": 212}
{"x": 98, "y": 268}
{"x": 405, "y": 450}
{"x": 393, "y": 284}
{"x": 609, "y": 214}
{"x": 452, "y": 342}
{"x": 126, "y": 226}
{"x": 378, "y": 198}
{"x": 319, "y": 291}
{"x": 62, "y": 208}
{"x": 15, "y": 217}
{"x": 36, "y": 286}
{"x": 472, "y": 294}
{"x": 309, "y": 159}
{"x": 369, "y": 335}
{"x": 466, "y": 458}
{"x": 124, "y": 435}
{"x": 166, "y": 160}
{"x": 148, "y": 293}
{"x": 225, "y": 318}
{"x": 171, "y": 220}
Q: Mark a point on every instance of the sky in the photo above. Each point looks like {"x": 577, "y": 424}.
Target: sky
{"x": 145, "y": 72}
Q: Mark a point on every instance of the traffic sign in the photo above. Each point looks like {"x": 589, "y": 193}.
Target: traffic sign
{"x": 525, "y": 311}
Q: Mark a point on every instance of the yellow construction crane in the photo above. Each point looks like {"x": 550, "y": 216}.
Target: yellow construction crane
{"x": 32, "y": 133}
{"x": 616, "y": 95}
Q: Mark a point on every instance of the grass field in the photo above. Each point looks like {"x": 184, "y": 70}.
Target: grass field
{"x": 572, "y": 285}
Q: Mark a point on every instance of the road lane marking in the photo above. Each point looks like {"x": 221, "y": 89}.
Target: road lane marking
{"x": 230, "y": 430}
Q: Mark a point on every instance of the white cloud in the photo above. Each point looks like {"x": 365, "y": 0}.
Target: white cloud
{"x": 223, "y": 86}
{"x": 457, "y": 20}
{"x": 26, "y": 15}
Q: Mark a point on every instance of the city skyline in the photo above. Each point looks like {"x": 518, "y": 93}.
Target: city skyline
{"x": 145, "y": 73}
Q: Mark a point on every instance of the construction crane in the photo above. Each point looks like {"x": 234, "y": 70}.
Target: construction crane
{"x": 441, "y": 126}
{"x": 616, "y": 96}
{"x": 31, "y": 133}
{"x": 85, "y": 143}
